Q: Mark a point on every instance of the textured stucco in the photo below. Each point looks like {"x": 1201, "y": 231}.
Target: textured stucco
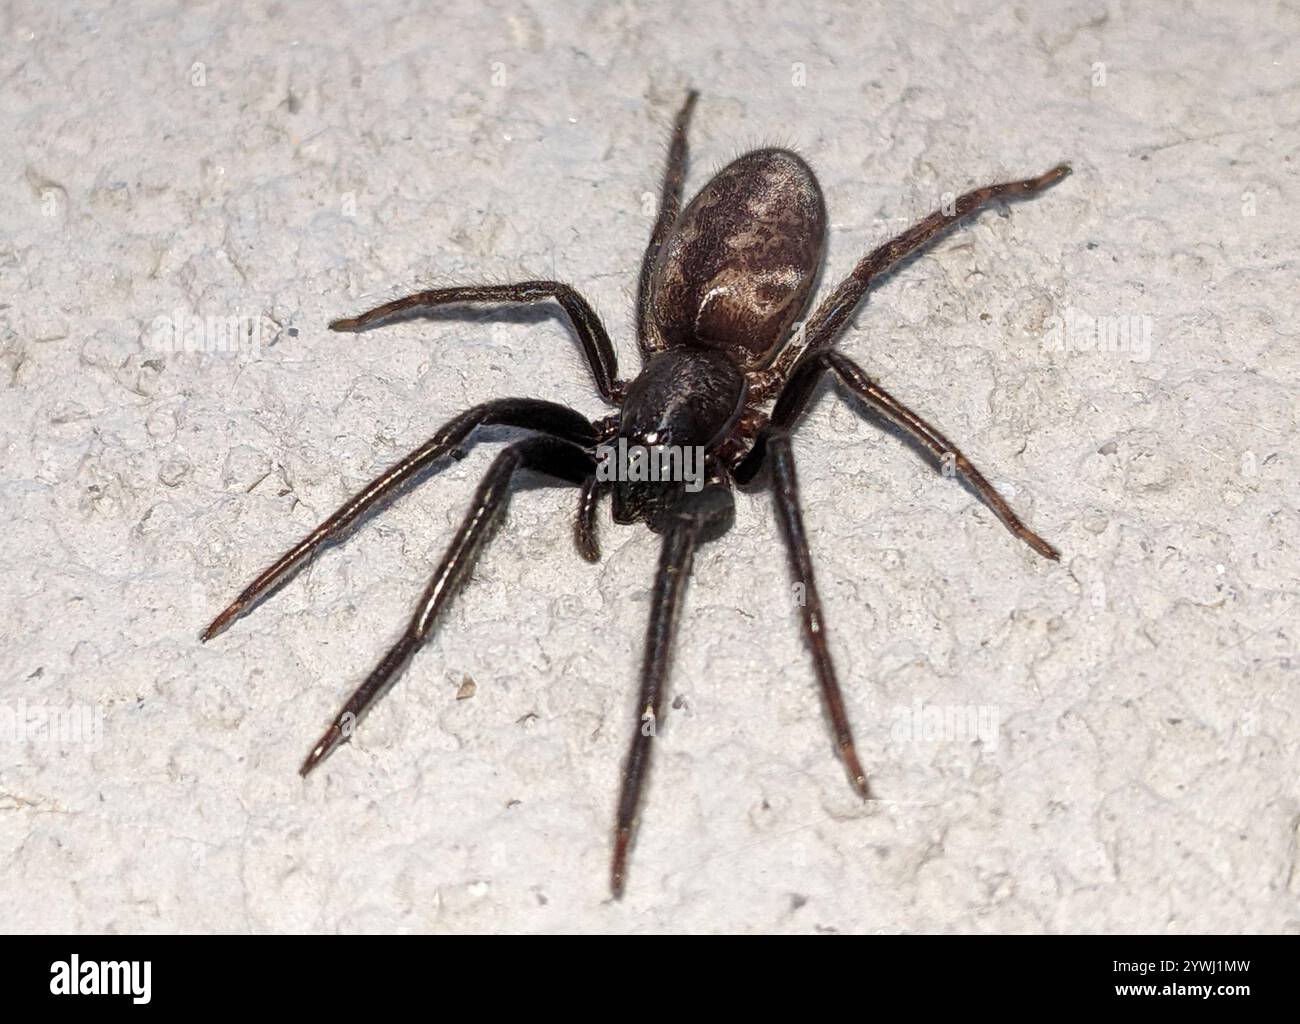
{"x": 292, "y": 162}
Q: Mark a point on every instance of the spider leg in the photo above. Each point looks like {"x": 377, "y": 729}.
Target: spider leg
{"x": 591, "y": 332}
{"x": 584, "y": 526}
{"x": 550, "y": 455}
{"x": 834, "y": 312}
{"x": 785, "y": 489}
{"x": 545, "y": 417}
{"x": 790, "y": 404}
{"x": 709, "y": 508}
{"x": 670, "y": 205}
{"x": 851, "y": 376}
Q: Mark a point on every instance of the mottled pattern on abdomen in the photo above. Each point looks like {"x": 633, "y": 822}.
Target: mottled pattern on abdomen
{"x": 737, "y": 269}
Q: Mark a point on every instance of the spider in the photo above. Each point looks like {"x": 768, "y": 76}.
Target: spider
{"x": 722, "y": 286}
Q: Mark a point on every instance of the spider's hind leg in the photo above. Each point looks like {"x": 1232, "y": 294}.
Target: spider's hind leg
{"x": 834, "y": 312}
{"x": 555, "y": 457}
{"x": 670, "y": 205}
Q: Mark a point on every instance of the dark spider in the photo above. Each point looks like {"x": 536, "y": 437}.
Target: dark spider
{"x": 722, "y": 285}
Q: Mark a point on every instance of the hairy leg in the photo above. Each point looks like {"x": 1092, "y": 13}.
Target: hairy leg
{"x": 831, "y": 316}
{"x": 544, "y": 417}
{"x": 591, "y": 332}
{"x": 785, "y": 488}
{"x": 670, "y": 205}
{"x": 704, "y": 511}
{"x": 550, "y": 455}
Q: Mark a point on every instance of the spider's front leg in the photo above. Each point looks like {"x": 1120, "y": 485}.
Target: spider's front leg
{"x": 529, "y": 413}
{"x": 553, "y": 456}
{"x": 704, "y": 513}
{"x": 591, "y": 332}
{"x": 796, "y": 394}
{"x": 855, "y": 379}
{"x": 785, "y": 489}
{"x": 773, "y": 447}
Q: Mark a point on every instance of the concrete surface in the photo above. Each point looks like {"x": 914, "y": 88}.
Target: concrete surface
{"x": 1105, "y": 744}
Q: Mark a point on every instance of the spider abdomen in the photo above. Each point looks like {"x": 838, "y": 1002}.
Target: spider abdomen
{"x": 738, "y": 267}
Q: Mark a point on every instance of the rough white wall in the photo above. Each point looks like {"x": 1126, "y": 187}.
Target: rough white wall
{"x": 291, "y": 162}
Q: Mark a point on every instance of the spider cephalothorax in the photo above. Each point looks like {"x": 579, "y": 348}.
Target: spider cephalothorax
{"x": 729, "y": 366}
{"x": 684, "y": 404}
